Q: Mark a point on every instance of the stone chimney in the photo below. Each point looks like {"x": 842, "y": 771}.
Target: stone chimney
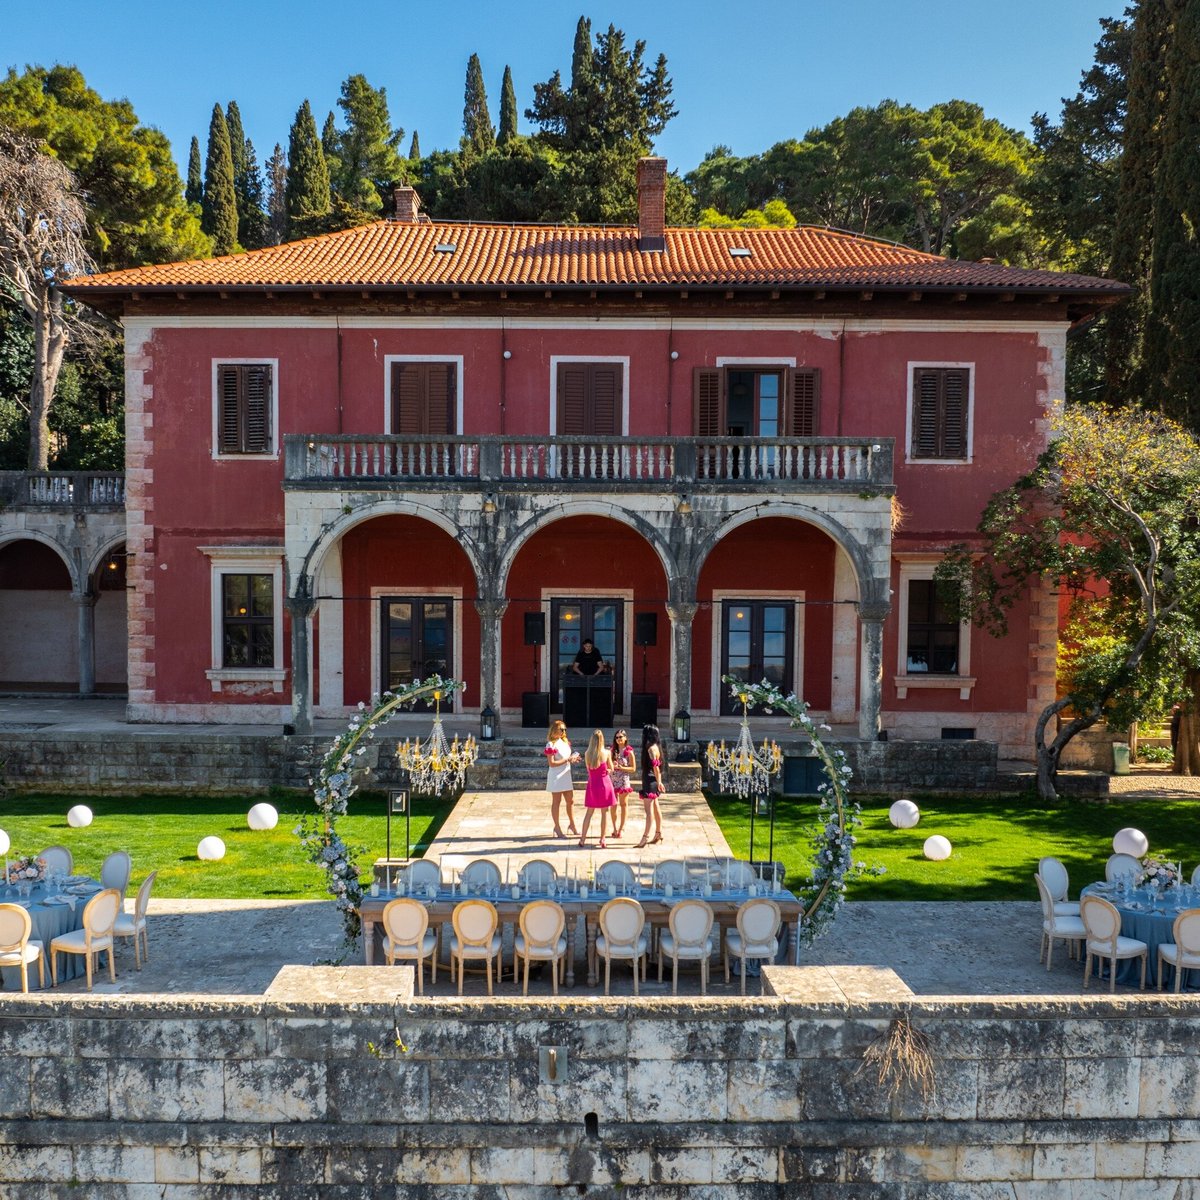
{"x": 652, "y": 203}
{"x": 406, "y": 203}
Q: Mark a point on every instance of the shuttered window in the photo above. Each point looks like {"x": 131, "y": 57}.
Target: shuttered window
{"x": 424, "y": 398}
{"x": 245, "y": 401}
{"x": 711, "y": 410}
{"x": 589, "y": 399}
{"x": 939, "y": 416}
{"x": 802, "y": 407}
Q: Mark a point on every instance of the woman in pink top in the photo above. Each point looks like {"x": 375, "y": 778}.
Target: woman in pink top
{"x": 599, "y": 794}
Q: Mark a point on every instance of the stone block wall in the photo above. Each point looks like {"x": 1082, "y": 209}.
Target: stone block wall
{"x": 896, "y": 766}
{"x": 337, "y": 1084}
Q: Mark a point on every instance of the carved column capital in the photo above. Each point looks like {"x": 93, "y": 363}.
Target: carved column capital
{"x": 874, "y": 610}
{"x": 682, "y": 613}
{"x": 491, "y": 610}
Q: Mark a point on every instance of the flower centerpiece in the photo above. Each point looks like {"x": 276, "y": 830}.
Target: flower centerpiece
{"x": 1157, "y": 873}
{"x": 29, "y": 869}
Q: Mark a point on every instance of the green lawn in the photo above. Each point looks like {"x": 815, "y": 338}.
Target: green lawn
{"x": 162, "y": 832}
{"x": 997, "y": 841}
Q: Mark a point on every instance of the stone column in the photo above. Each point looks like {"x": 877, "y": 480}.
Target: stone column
{"x": 871, "y": 616}
{"x": 681, "y": 614}
{"x": 300, "y": 608}
{"x": 490, "y": 612}
{"x": 86, "y": 640}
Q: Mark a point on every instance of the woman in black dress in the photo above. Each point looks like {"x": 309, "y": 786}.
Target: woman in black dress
{"x": 652, "y": 784}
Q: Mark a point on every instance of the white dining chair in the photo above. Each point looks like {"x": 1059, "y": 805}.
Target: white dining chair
{"x": 115, "y": 872}
{"x": 540, "y": 937}
{"x": 670, "y": 870}
{"x": 421, "y": 873}
{"x": 94, "y": 938}
{"x": 1058, "y": 883}
{"x": 619, "y": 874}
{"x": 689, "y": 937}
{"x": 475, "y": 936}
{"x": 134, "y": 925}
{"x": 407, "y": 936}
{"x": 1196, "y": 876}
{"x": 481, "y": 873}
{"x": 1119, "y": 865}
{"x": 1059, "y": 927}
{"x": 537, "y": 875}
{"x": 1104, "y": 941}
{"x": 1183, "y": 953}
{"x": 623, "y": 935}
{"x": 17, "y": 948}
{"x": 739, "y": 874}
{"x": 756, "y": 935}
{"x": 58, "y": 859}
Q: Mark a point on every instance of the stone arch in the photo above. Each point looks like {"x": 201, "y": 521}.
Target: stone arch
{"x": 8, "y": 537}
{"x": 104, "y": 550}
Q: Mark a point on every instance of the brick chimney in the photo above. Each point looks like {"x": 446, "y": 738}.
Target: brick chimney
{"x": 406, "y": 203}
{"x": 652, "y": 203}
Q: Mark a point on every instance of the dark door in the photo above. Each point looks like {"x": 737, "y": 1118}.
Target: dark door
{"x": 756, "y": 644}
{"x": 572, "y": 622}
{"x": 416, "y": 641}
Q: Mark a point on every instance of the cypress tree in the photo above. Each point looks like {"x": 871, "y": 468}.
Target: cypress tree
{"x": 307, "y": 191}
{"x": 219, "y": 210}
{"x": 479, "y": 135}
{"x": 508, "y": 110}
{"x": 237, "y": 141}
{"x": 414, "y": 147}
{"x": 194, "y": 192}
{"x": 252, "y": 218}
{"x": 276, "y": 197}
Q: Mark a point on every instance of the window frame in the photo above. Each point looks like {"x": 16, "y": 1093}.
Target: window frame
{"x": 237, "y": 456}
{"x": 390, "y": 359}
{"x": 921, "y": 569}
{"x": 244, "y": 560}
{"x": 912, "y": 369}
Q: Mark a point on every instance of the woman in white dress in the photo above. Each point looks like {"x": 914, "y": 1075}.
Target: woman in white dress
{"x": 558, "y": 776}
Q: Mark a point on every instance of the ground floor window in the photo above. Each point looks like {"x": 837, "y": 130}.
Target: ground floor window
{"x": 416, "y": 641}
{"x": 248, "y": 620}
{"x": 757, "y": 642}
{"x": 933, "y": 631}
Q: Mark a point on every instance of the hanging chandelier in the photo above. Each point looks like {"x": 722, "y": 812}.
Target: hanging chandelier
{"x": 437, "y": 765}
{"x": 743, "y": 769}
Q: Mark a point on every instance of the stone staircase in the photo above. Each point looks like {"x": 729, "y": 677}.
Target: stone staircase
{"x": 523, "y": 766}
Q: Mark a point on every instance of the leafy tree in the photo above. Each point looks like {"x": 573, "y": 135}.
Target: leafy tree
{"x": 136, "y": 208}
{"x": 508, "y": 112}
{"x": 307, "y": 188}
{"x": 773, "y": 215}
{"x": 194, "y": 192}
{"x": 368, "y": 148}
{"x": 219, "y": 218}
{"x": 479, "y": 135}
{"x": 276, "y": 196}
{"x": 1111, "y": 513}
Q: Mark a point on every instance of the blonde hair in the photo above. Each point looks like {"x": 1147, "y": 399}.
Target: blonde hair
{"x": 595, "y": 750}
{"x": 556, "y": 730}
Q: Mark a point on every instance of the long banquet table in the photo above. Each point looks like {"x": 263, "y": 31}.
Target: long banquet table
{"x": 51, "y": 912}
{"x": 656, "y": 904}
{"x": 1150, "y": 918}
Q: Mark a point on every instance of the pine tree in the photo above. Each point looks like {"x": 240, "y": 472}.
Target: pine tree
{"x": 368, "y": 149}
{"x": 307, "y": 175}
{"x": 219, "y": 211}
{"x": 194, "y": 192}
{"x": 276, "y": 196}
{"x": 479, "y": 135}
{"x": 508, "y": 110}
{"x": 414, "y": 148}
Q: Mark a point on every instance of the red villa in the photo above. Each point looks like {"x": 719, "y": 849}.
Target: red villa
{"x": 417, "y": 446}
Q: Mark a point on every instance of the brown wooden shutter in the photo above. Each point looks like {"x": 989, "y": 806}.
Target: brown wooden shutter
{"x": 572, "y": 399}
{"x": 424, "y": 398}
{"x": 926, "y": 403}
{"x": 805, "y": 395}
{"x": 939, "y": 418}
{"x": 229, "y": 423}
{"x": 606, "y": 399}
{"x": 708, "y": 402}
{"x": 954, "y": 413}
{"x": 256, "y": 408}
{"x": 441, "y": 410}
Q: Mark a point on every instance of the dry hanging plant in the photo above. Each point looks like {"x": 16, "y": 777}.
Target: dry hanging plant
{"x": 900, "y": 1057}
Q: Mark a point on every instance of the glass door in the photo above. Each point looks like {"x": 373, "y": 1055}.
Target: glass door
{"x": 416, "y": 640}
{"x": 756, "y": 644}
{"x": 573, "y": 622}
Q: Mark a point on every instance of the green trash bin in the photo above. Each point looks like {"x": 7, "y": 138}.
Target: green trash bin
{"x": 1120, "y": 758}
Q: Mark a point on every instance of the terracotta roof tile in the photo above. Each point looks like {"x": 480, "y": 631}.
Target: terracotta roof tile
{"x": 394, "y": 254}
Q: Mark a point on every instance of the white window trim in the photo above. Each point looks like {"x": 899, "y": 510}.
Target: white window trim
{"x": 388, "y": 359}
{"x": 273, "y": 453}
{"x": 623, "y": 359}
{"x": 911, "y": 570}
{"x": 741, "y": 360}
{"x": 403, "y": 589}
{"x": 969, "y": 367}
{"x": 625, "y": 595}
{"x": 245, "y": 560}
{"x": 718, "y": 599}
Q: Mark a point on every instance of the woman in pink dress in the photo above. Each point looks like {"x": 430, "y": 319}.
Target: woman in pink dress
{"x": 599, "y": 794}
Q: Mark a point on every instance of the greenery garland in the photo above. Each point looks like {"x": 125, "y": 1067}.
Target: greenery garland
{"x": 833, "y": 842}
{"x": 333, "y": 785}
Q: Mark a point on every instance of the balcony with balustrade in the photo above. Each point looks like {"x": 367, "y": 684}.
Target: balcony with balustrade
{"x": 59, "y": 491}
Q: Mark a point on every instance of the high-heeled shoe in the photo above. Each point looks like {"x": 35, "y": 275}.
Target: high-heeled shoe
{"x": 602, "y": 845}
{"x": 640, "y": 844}
{"x": 582, "y": 843}
{"x": 657, "y": 838}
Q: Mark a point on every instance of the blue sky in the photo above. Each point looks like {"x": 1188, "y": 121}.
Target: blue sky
{"x": 744, "y": 76}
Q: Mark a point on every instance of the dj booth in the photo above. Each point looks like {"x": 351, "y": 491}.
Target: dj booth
{"x": 587, "y": 701}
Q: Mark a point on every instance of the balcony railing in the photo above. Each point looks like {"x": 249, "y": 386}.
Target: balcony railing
{"x": 631, "y": 464}
{"x": 83, "y": 491}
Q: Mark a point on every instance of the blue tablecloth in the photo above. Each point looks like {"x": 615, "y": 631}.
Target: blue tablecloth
{"x": 1151, "y": 920}
{"x": 49, "y": 920}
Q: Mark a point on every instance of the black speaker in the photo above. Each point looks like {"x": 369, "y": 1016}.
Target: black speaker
{"x": 645, "y": 629}
{"x": 643, "y": 709}
{"x": 535, "y": 629}
{"x": 535, "y": 710}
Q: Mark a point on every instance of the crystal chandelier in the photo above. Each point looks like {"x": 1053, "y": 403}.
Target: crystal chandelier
{"x": 742, "y": 768}
{"x": 437, "y": 766}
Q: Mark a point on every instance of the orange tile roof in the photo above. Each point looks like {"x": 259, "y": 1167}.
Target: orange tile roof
{"x": 395, "y": 254}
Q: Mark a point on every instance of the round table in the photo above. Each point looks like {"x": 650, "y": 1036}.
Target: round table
{"x": 50, "y": 915}
{"x": 1150, "y": 918}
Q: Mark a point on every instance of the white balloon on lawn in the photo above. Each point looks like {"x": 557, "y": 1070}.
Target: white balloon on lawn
{"x": 937, "y": 847}
{"x": 5, "y": 842}
{"x": 904, "y": 814}
{"x": 210, "y": 849}
{"x": 262, "y": 816}
{"x": 80, "y": 817}
{"x": 1131, "y": 841}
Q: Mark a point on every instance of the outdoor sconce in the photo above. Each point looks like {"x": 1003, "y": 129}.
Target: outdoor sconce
{"x": 487, "y": 725}
{"x": 674, "y": 355}
{"x": 489, "y": 505}
{"x": 684, "y": 507}
{"x": 508, "y": 354}
{"x": 681, "y": 726}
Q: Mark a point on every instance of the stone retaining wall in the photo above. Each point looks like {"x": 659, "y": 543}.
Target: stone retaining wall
{"x": 304, "y": 1093}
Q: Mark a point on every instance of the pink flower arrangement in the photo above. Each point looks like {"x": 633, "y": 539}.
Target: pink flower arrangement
{"x": 29, "y": 869}
{"x": 1157, "y": 873}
